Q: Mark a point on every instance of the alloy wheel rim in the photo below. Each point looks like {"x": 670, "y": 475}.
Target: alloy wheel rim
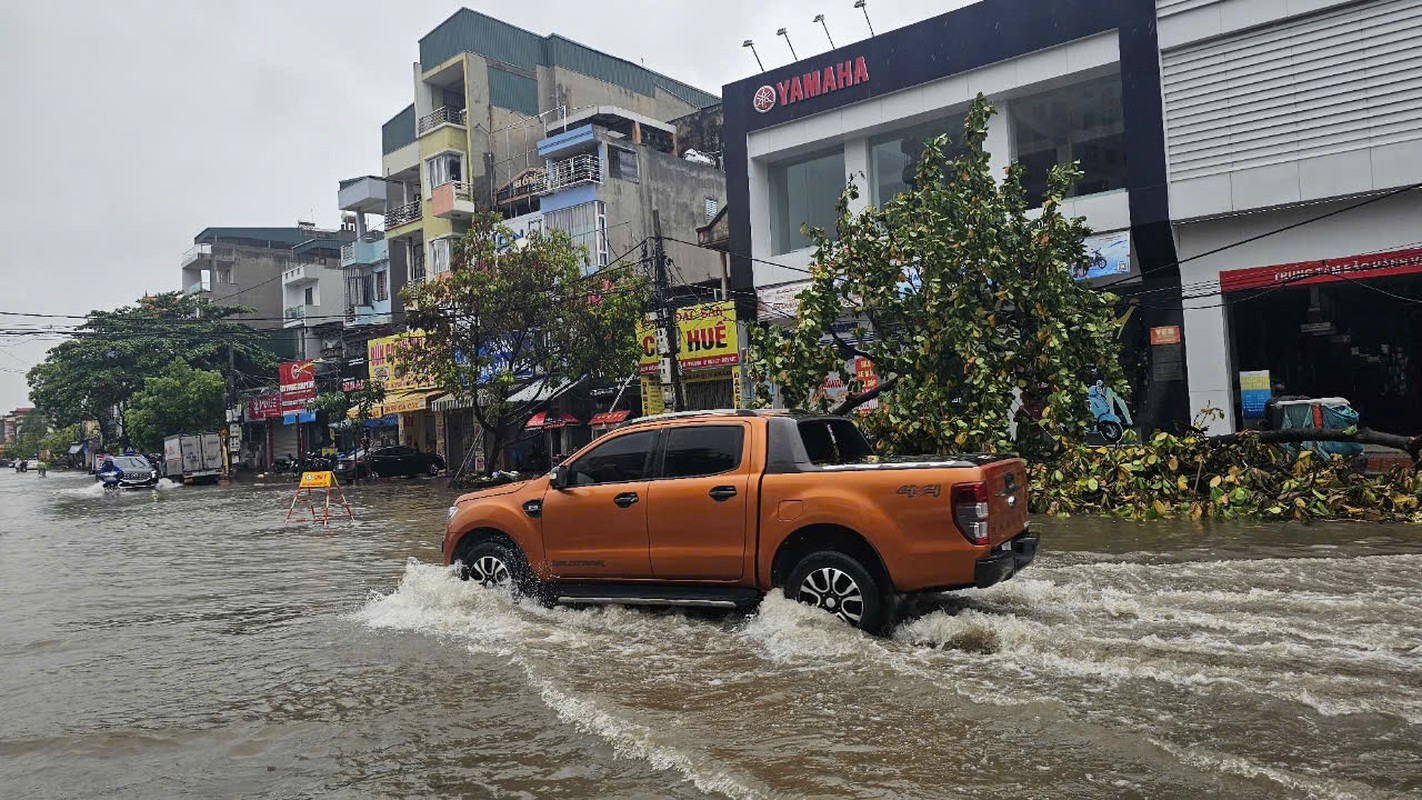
{"x": 834, "y": 591}
{"x": 490, "y": 571}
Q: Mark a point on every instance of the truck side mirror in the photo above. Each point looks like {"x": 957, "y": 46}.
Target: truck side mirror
{"x": 558, "y": 479}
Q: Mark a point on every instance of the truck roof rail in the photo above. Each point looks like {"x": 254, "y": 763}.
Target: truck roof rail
{"x": 717, "y": 412}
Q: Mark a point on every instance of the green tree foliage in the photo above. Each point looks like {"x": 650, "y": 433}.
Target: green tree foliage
{"x": 30, "y": 434}
{"x": 504, "y": 313}
{"x": 180, "y": 399}
{"x": 1191, "y": 476}
{"x": 112, "y": 352}
{"x": 960, "y": 297}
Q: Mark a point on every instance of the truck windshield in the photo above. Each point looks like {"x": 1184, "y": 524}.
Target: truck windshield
{"x": 834, "y": 441}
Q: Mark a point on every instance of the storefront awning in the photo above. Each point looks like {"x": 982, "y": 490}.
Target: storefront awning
{"x": 407, "y": 403}
{"x": 452, "y": 402}
{"x": 609, "y": 418}
{"x": 540, "y": 390}
{"x": 551, "y": 420}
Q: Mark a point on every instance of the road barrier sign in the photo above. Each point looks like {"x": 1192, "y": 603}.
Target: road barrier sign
{"x": 319, "y": 509}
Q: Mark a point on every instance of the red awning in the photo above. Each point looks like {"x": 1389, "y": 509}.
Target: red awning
{"x": 552, "y": 420}
{"x": 609, "y": 417}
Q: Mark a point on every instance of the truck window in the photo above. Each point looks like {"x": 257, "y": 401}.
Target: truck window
{"x": 834, "y": 441}
{"x": 616, "y": 461}
{"x": 702, "y": 450}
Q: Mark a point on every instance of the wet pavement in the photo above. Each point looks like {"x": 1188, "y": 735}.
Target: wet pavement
{"x": 185, "y": 643}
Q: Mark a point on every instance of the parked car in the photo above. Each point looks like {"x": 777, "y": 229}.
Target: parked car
{"x": 138, "y": 473}
{"x": 714, "y": 509}
{"x": 386, "y": 462}
{"x": 6, "y": 463}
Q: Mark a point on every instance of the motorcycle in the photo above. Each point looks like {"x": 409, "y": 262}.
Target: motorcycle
{"x": 1107, "y": 423}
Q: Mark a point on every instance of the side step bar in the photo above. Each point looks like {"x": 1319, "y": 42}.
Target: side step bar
{"x": 647, "y": 601}
{"x": 724, "y": 597}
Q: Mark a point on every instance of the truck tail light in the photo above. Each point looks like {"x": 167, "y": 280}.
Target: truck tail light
{"x": 970, "y": 511}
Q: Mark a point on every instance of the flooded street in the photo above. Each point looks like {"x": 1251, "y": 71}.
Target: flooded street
{"x": 187, "y": 644}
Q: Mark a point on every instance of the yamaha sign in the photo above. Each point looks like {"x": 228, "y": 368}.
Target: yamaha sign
{"x": 814, "y": 83}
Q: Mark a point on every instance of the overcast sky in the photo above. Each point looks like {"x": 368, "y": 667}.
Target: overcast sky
{"x": 131, "y": 125}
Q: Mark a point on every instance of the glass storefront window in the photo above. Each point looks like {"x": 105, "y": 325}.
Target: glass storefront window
{"x": 804, "y": 192}
{"x": 1082, "y": 122}
{"x": 894, "y": 156}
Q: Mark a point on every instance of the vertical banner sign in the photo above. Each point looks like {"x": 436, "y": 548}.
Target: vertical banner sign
{"x": 298, "y": 385}
{"x": 652, "y": 400}
{"x": 868, "y": 379}
{"x": 1254, "y": 393}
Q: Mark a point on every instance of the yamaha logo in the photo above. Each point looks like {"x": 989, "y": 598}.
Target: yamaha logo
{"x": 764, "y": 99}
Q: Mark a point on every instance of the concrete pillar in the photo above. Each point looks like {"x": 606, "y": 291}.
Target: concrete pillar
{"x": 1207, "y": 359}
{"x": 857, "y": 168}
{"x": 999, "y": 139}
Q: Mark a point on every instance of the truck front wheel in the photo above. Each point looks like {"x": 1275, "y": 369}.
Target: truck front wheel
{"x": 839, "y": 584}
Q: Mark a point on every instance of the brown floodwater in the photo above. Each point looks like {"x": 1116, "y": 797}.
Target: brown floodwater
{"x": 185, "y": 643}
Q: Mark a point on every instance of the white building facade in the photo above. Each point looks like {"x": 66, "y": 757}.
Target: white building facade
{"x": 1199, "y": 124}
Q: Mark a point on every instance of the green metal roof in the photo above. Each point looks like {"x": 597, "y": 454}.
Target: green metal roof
{"x": 471, "y": 31}
{"x": 399, "y": 131}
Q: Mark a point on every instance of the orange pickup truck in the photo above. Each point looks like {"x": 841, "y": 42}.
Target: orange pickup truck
{"x": 713, "y": 509}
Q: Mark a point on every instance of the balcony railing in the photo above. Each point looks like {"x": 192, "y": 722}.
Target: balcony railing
{"x": 299, "y": 273}
{"x": 194, "y": 288}
{"x": 572, "y": 172}
{"x": 403, "y": 215}
{"x": 444, "y": 115}
{"x": 195, "y": 252}
{"x": 295, "y": 312}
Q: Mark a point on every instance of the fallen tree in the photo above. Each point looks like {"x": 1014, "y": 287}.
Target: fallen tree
{"x": 1412, "y": 445}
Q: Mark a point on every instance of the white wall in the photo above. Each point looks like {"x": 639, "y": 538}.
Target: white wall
{"x": 1385, "y": 225}
{"x": 853, "y": 126}
{"x": 1305, "y": 108}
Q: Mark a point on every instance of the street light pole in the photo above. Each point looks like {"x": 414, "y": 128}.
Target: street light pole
{"x": 861, "y": 5}
{"x": 782, "y": 32}
{"x": 751, "y": 45}
{"x": 820, "y": 18}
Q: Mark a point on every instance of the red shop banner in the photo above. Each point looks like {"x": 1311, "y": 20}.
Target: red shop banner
{"x": 298, "y": 385}
{"x": 264, "y": 406}
{"x": 1305, "y": 273}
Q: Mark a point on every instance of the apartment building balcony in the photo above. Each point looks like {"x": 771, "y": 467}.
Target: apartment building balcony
{"x": 403, "y": 215}
{"x": 362, "y": 253}
{"x": 361, "y": 316}
{"x": 453, "y": 200}
{"x": 366, "y": 195}
{"x": 444, "y": 115}
{"x": 196, "y": 252}
{"x": 571, "y": 172}
{"x": 194, "y": 288}
{"x": 301, "y": 274}
{"x": 301, "y": 314}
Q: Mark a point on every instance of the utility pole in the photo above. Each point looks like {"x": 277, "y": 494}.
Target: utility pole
{"x": 669, "y": 338}
{"x": 231, "y": 404}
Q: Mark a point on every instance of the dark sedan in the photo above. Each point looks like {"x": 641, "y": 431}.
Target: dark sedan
{"x": 388, "y": 462}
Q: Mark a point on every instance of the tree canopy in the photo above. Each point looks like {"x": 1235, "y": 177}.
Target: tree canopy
{"x": 506, "y": 314}
{"x": 100, "y": 369}
{"x": 962, "y": 298}
{"x": 180, "y": 399}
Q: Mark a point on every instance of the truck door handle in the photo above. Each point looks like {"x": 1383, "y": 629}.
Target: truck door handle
{"x": 721, "y": 493}
{"x": 626, "y": 499}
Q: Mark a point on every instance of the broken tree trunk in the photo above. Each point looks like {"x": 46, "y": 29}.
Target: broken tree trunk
{"x": 1412, "y": 445}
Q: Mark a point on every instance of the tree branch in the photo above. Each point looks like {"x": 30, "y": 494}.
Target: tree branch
{"x": 856, "y": 400}
{"x": 1412, "y": 445}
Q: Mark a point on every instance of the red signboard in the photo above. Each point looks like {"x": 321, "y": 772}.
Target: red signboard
{"x": 264, "y": 406}
{"x": 1304, "y": 273}
{"x": 1165, "y": 334}
{"x": 298, "y": 385}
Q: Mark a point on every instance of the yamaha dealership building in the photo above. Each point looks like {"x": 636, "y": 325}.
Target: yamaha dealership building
{"x": 1252, "y": 172}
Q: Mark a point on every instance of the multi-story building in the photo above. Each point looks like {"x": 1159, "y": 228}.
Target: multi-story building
{"x": 1216, "y": 137}
{"x": 486, "y": 94}
{"x": 245, "y": 266}
{"x": 313, "y": 297}
{"x": 551, "y": 134}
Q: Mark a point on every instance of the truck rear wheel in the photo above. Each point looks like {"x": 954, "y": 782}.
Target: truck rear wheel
{"x": 839, "y": 584}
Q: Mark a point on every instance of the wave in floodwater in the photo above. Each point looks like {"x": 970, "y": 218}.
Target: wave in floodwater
{"x": 1247, "y": 677}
